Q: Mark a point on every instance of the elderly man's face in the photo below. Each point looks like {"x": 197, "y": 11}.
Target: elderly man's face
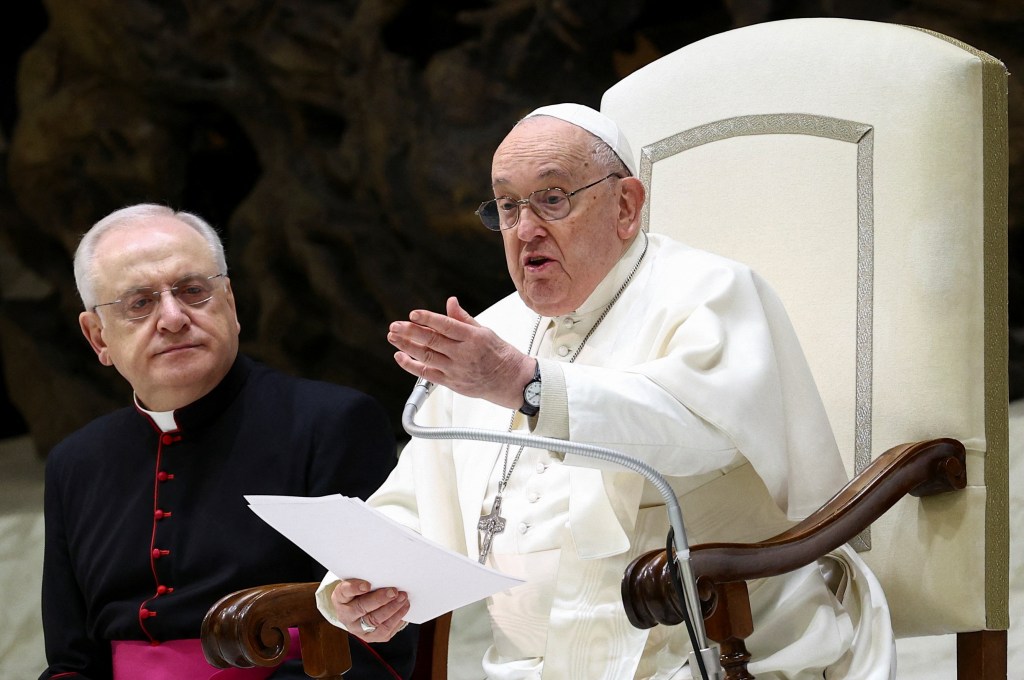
{"x": 179, "y": 352}
{"x": 556, "y": 265}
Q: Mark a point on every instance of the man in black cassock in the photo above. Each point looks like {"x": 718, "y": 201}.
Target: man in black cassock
{"x": 146, "y": 524}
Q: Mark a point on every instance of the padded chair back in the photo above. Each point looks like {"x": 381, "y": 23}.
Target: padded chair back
{"x": 861, "y": 168}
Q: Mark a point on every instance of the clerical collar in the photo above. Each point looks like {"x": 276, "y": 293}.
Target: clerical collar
{"x": 207, "y": 408}
{"x": 163, "y": 419}
{"x": 611, "y": 283}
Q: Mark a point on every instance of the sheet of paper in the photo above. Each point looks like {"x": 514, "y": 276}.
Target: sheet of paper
{"x": 354, "y": 540}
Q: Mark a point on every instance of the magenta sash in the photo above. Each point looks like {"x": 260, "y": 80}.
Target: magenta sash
{"x": 177, "y": 659}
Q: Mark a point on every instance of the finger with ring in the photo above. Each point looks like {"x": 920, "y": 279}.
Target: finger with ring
{"x": 366, "y": 626}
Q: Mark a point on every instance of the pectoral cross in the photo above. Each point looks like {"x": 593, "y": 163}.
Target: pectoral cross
{"x": 491, "y": 523}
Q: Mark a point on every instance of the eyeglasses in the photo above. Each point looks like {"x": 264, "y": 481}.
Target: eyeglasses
{"x": 548, "y": 204}
{"x": 139, "y": 303}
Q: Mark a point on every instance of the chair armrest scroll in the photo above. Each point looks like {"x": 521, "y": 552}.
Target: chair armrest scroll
{"x": 250, "y": 628}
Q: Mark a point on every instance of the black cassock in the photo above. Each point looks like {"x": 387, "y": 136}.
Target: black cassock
{"x": 145, "y": 530}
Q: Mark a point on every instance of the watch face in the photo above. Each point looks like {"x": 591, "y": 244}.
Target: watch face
{"x": 532, "y": 393}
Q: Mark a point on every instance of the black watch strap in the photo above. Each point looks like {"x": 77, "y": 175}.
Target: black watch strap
{"x": 531, "y": 395}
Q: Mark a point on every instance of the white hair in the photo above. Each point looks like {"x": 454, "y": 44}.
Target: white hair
{"x": 85, "y": 255}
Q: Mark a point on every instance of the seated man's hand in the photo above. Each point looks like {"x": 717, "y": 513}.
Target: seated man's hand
{"x": 454, "y": 350}
{"x": 372, "y": 615}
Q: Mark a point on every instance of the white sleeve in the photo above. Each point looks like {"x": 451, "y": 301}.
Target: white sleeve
{"x": 323, "y": 599}
{"x": 628, "y": 412}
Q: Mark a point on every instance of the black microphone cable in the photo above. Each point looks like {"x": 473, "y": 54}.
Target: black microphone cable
{"x": 673, "y": 570}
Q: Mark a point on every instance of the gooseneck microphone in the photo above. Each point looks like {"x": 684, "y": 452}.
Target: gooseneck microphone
{"x": 419, "y": 394}
{"x": 703, "y": 652}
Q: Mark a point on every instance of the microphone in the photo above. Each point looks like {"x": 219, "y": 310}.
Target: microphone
{"x": 704, "y": 654}
{"x": 419, "y": 394}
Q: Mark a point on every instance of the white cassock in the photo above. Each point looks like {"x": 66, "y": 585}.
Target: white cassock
{"x": 696, "y": 371}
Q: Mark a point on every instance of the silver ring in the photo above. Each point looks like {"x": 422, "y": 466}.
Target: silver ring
{"x": 367, "y": 628}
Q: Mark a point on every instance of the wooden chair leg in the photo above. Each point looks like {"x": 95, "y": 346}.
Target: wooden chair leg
{"x": 729, "y": 623}
{"x": 432, "y": 650}
{"x": 981, "y": 655}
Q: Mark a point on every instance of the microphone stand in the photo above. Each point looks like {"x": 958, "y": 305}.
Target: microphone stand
{"x": 705, "y": 654}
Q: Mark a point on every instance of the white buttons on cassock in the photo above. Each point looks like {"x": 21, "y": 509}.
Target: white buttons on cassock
{"x": 563, "y": 351}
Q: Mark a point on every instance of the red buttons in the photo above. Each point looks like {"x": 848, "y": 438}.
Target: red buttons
{"x": 167, "y": 439}
{"x": 157, "y": 553}
{"x": 164, "y": 590}
{"x": 162, "y": 514}
{"x": 164, "y": 476}
{"x": 146, "y": 613}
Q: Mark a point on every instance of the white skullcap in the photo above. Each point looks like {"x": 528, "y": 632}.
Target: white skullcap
{"x": 594, "y": 122}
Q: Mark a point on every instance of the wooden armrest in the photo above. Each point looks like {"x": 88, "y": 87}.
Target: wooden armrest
{"x": 721, "y": 570}
{"x": 920, "y": 469}
{"x": 250, "y": 628}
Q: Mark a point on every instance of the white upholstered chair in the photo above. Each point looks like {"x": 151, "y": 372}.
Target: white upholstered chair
{"x": 861, "y": 168}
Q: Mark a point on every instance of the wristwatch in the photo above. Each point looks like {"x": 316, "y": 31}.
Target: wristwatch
{"x": 531, "y": 395}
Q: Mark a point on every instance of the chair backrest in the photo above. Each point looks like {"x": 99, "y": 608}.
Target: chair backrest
{"x": 861, "y": 168}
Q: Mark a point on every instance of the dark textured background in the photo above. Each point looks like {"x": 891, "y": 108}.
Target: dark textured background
{"x": 339, "y": 145}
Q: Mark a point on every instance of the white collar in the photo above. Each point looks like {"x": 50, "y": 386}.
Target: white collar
{"x": 163, "y": 419}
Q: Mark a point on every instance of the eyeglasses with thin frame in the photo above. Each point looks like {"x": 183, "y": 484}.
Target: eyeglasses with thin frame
{"x": 138, "y": 303}
{"x": 548, "y": 204}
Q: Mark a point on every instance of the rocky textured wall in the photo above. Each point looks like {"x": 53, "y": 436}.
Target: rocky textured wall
{"x": 340, "y": 145}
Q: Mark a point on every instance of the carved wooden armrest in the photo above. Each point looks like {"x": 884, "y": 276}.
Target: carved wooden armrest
{"x": 250, "y": 628}
{"x": 722, "y": 569}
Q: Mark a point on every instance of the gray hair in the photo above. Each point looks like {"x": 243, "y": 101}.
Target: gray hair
{"x": 606, "y": 158}
{"x": 85, "y": 255}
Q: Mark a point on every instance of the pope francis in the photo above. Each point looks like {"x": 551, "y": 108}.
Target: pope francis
{"x": 634, "y": 342}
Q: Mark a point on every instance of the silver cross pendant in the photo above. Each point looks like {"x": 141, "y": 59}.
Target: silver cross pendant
{"x": 491, "y": 523}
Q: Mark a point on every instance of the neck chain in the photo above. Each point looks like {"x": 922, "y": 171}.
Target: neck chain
{"x": 493, "y": 523}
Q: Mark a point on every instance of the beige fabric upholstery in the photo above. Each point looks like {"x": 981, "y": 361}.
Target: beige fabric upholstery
{"x": 861, "y": 168}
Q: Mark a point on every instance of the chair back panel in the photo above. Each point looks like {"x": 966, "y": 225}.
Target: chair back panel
{"x": 860, "y": 167}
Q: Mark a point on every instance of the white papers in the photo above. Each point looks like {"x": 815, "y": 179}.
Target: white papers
{"x": 353, "y": 540}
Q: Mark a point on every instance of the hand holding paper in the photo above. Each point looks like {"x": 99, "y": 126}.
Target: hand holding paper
{"x": 353, "y": 540}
